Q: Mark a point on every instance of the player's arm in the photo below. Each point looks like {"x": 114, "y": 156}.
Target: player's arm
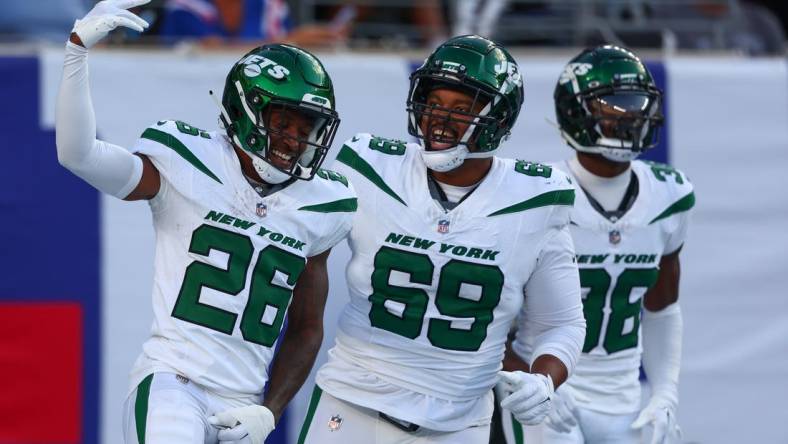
{"x": 666, "y": 291}
{"x": 554, "y": 309}
{"x": 512, "y": 361}
{"x": 109, "y": 168}
{"x": 303, "y": 336}
{"x": 662, "y": 327}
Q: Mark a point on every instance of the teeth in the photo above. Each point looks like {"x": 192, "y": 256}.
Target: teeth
{"x": 281, "y": 155}
{"x": 441, "y": 133}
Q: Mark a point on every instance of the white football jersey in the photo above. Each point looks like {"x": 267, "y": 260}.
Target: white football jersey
{"x": 433, "y": 292}
{"x": 227, "y": 259}
{"x": 619, "y": 261}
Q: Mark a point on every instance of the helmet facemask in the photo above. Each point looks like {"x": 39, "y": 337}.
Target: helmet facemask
{"x": 288, "y": 139}
{"x": 267, "y": 90}
{"x": 608, "y": 104}
{"x": 625, "y": 119}
{"x": 484, "y": 72}
{"x": 301, "y": 130}
{"x": 481, "y": 126}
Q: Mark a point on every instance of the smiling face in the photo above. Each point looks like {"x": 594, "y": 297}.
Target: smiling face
{"x": 448, "y": 115}
{"x": 289, "y": 130}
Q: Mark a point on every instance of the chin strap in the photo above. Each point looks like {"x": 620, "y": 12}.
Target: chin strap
{"x": 612, "y": 154}
{"x": 444, "y": 160}
{"x": 269, "y": 173}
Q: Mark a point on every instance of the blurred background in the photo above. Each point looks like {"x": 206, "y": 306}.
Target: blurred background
{"x": 76, "y": 266}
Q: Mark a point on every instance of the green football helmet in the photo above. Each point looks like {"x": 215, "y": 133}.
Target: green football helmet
{"x": 607, "y": 103}
{"x": 265, "y": 86}
{"x": 487, "y": 73}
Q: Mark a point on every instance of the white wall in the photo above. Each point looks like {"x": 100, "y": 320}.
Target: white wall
{"x": 728, "y": 133}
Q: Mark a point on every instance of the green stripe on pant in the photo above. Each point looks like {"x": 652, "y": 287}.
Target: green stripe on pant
{"x": 141, "y": 407}
{"x": 313, "y": 402}
{"x": 517, "y": 431}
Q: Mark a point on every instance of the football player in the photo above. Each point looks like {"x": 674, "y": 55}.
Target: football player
{"x": 629, "y": 223}
{"x": 244, "y": 220}
{"x": 446, "y": 238}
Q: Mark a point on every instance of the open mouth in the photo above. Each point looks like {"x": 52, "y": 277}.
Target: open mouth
{"x": 280, "y": 159}
{"x": 442, "y": 138}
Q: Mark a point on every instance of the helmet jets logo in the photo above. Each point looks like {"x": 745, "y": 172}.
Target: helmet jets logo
{"x": 572, "y": 70}
{"x": 255, "y": 64}
{"x": 513, "y": 79}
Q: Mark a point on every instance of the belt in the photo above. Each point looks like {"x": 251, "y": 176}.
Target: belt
{"x": 400, "y": 424}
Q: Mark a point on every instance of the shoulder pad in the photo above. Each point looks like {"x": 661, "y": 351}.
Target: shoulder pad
{"x": 332, "y": 176}
{"x": 542, "y": 177}
{"x": 330, "y": 192}
{"x": 367, "y": 145}
{"x": 375, "y": 162}
{"x": 538, "y": 186}
{"x": 171, "y": 142}
{"x": 179, "y": 128}
{"x": 671, "y": 187}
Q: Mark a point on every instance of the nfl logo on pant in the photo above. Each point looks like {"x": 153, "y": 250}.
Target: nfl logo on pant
{"x": 334, "y": 423}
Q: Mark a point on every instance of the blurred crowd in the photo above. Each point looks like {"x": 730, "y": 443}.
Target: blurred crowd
{"x": 747, "y": 26}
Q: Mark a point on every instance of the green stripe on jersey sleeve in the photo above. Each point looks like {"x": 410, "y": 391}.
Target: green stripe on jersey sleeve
{"x": 681, "y": 205}
{"x": 353, "y": 160}
{"x": 348, "y": 205}
{"x": 558, "y": 197}
{"x": 176, "y": 145}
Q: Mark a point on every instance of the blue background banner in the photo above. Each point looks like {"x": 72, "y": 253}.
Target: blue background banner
{"x": 50, "y": 226}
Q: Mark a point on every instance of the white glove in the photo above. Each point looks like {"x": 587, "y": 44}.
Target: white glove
{"x": 563, "y": 416}
{"x": 529, "y": 395}
{"x": 660, "y": 413}
{"x": 106, "y": 16}
{"x": 247, "y": 425}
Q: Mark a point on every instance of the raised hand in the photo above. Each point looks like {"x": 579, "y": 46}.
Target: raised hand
{"x": 106, "y": 16}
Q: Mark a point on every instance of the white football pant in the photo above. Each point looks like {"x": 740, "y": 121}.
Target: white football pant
{"x": 593, "y": 428}
{"x": 169, "y": 409}
{"x": 332, "y": 421}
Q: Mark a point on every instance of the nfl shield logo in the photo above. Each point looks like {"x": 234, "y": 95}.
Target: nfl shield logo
{"x": 615, "y": 237}
{"x": 334, "y": 423}
{"x": 443, "y": 226}
{"x": 261, "y": 209}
